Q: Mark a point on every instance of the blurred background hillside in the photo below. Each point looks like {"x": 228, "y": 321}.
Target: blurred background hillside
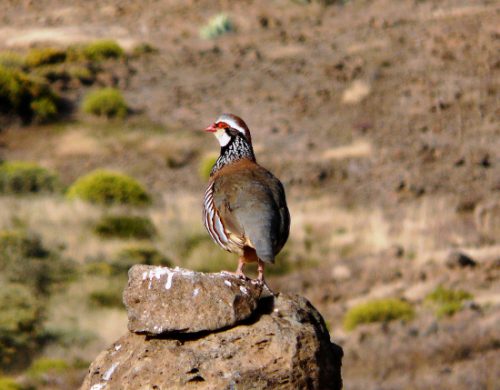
{"x": 381, "y": 117}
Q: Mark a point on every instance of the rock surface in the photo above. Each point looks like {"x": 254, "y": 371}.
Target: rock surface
{"x": 215, "y": 331}
{"x": 284, "y": 345}
{"x": 161, "y": 299}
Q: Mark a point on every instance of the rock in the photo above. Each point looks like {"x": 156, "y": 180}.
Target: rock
{"x": 161, "y": 299}
{"x": 356, "y": 92}
{"x": 461, "y": 260}
{"x": 487, "y": 219}
{"x": 284, "y": 345}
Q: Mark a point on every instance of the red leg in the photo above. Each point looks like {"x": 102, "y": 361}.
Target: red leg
{"x": 239, "y": 270}
{"x": 260, "y": 276}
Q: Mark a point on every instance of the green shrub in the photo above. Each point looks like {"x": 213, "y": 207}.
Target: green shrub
{"x": 44, "y": 56}
{"x": 42, "y": 366}
{"x": 107, "y": 102}
{"x": 130, "y": 256}
{"x": 45, "y": 109}
{"x": 12, "y": 90}
{"x": 103, "y": 49}
{"x": 22, "y": 177}
{"x": 447, "y": 302}
{"x": 106, "y": 187}
{"x": 109, "y": 297}
{"x": 11, "y": 59}
{"x": 216, "y": 26}
{"x": 7, "y": 383}
{"x": 379, "y": 310}
{"x": 124, "y": 226}
{"x": 18, "y": 91}
{"x": 206, "y": 165}
{"x": 84, "y": 74}
{"x": 24, "y": 260}
{"x": 51, "y": 72}
{"x": 20, "y": 320}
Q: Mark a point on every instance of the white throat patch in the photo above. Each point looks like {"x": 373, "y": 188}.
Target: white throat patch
{"x": 222, "y": 137}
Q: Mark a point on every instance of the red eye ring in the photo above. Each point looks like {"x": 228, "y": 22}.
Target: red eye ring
{"x": 222, "y": 125}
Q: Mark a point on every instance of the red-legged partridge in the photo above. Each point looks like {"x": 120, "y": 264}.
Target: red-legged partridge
{"x": 244, "y": 209}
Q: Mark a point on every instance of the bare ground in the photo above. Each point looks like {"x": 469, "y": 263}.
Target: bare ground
{"x": 380, "y": 117}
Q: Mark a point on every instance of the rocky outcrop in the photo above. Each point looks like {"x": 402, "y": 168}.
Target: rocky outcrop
{"x": 220, "y": 337}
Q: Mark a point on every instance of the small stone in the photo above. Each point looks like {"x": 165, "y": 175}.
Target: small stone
{"x": 163, "y": 300}
{"x": 458, "y": 259}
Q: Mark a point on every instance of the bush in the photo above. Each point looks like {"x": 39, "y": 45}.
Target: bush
{"x": 11, "y": 59}
{"x": 123, "y": 226}
{"x": 148, "y": 255}
{"x": 20, "y": 318}
{"x": 24, "y": 260}
{"x": 84, "y": 74}
{"x": 7, "y": 383}
{"x": 44, "y": 366}
{"x": 24, "y": 177}
{"x": 18, "y": 91}
{"x": 216, "y": 26}
{"x": 106, "y": 187}
{"x": 45, "y": 109}
{"x": 447, "y": 302}
{"x": 206, "y": 165}
{"x": 107, "y": 102}
{"x": 19, "y": 243}
{"x": 379, "y": 310}
{"x": 103, "y": 49}
{"x": 44, "y": 56}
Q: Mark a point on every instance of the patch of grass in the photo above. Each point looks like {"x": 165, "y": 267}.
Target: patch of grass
{"x": 143, "y": 48}
{"x": 378, "y": 310}
{"x": 99, "y": 268}
{"x": 11, "y": 59}
{"x": 106, "y": 187}
{"x": 43, "y": 366}
{"x": 206, "y": 165}
{"x": 20, "y": 177}
{"x": 447, "y": 302}
{"x": 218, "y": 25}
{"x": 124, "y": 226}
{"x": 44, "y": 56}
{"x": 7, "y": 383}
{"x": 130, "y": 256}
{"x": 108, "y": 102}
{"x": 103, "y": 49}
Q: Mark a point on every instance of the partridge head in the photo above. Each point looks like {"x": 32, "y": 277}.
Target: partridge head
{"x": 244, "y": 208}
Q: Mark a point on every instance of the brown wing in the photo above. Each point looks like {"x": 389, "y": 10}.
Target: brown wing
{"x": 252, "y": 205}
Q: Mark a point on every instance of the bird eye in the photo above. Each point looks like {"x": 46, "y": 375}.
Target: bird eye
{"x": 222, "y": 125}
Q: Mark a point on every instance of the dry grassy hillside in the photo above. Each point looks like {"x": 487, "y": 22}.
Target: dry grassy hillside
{"x": 380, "y": 117}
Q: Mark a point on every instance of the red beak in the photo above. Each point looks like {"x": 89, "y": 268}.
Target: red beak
{"x": 211, "y": 129}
